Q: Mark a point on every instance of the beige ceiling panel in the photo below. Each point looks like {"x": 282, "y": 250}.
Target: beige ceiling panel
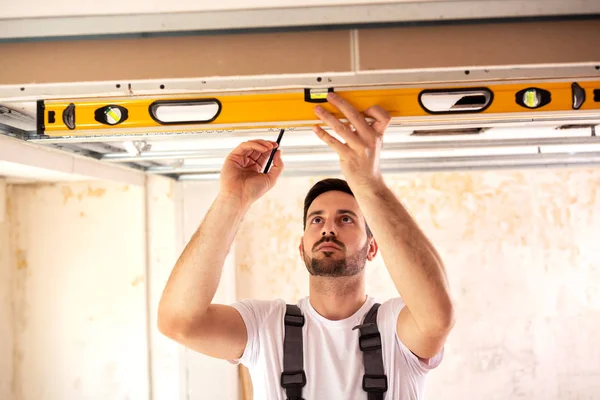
{"x": 175, "y": 57}
{"x": 479, "y": 45}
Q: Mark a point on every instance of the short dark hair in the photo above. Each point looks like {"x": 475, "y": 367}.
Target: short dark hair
{"x": 327, "y": 185}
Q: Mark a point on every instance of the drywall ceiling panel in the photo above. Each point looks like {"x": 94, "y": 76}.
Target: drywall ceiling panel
{"x": 175, "y": 57}
{"x": 477, "y": 45}
{"x": 294, "y": 55}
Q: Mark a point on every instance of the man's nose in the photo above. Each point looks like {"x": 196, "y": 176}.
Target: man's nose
{"x": 329, "y": 228}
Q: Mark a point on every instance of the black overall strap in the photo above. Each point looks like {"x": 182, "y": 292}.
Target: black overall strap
{"x": 374, "y": 380}
{"x": 293, "y": 377}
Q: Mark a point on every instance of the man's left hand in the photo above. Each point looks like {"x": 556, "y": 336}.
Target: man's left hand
{"x": 359, "y": 156}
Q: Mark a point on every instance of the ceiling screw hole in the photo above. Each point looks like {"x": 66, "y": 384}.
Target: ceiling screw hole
{"x": 162, "y": 86}
{"x": 22, "y": 89}
{"x": 467, "y": 72}
{"x": 319, "y": 79}
{"x": 598, "y": 67}
{"x": 118, "y": 85}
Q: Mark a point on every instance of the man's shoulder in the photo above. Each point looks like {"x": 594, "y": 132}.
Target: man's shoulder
{"x": 260, "y": 309}
{"x": 388, "y": 303}
{"x": 393, "y": 301}
{"x": 390, "y": 309}
{"x": 261, "y": 304}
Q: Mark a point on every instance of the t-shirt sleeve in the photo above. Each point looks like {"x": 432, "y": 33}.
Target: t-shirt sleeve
{"x": 254, "y": 313}
{"x": 390, "y": 311}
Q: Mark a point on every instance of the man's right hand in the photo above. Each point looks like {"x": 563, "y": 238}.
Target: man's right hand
{"x": 242, "y": 177}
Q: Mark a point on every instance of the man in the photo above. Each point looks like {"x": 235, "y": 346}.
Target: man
{"x": 342, "y": 220}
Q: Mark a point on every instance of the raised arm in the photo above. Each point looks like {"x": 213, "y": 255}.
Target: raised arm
{"x": 414, "y": 265}
{"x": 186, "y": 313}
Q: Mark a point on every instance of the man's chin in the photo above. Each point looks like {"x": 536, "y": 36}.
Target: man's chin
{"x": 332, "y": 274}
{"x": 333, "y": 269}
{"x": 326, "y": 274}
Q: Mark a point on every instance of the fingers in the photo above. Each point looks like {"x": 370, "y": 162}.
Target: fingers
{"x": 276, "y": 167}
{"x": 251, "y": 154}
{"x": 348, "y": 110}
{"x": 261, "y": 161}
{"x": 382, "y": 118}
{"x": 259, "y": 145}
{"x": 332, "y": 142}
{"x": 343, "y": 130}
{"x": 256, "y": 155}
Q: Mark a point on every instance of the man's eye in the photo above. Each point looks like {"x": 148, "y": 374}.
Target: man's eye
{"x": 348, "y": 219}
{"x": 315, "y": 219}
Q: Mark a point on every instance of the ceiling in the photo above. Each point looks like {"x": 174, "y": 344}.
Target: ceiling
{"x": 35, "y": 18}
{"x": 543, "y": 140}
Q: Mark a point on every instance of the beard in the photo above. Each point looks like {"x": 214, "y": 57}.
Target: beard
{"x": 331, "y": 266}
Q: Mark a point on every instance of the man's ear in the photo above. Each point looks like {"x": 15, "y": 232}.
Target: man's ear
{"x": 373, "y": 247}
{"x": 301, "y": 247}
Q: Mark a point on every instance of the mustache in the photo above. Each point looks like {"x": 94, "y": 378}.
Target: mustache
{"x": 329, "y": 239}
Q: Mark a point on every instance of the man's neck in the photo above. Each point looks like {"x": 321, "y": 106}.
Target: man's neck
{"x": 337, "y": 298}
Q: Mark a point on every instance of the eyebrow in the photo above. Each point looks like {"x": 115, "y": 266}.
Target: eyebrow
{"x": 319, "y": 212}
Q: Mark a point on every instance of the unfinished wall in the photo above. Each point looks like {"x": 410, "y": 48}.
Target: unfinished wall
{"x": 6, "y": 309}
{"x": 79, "y": 291}
{"x": 206, "y": 377}
{"x": 164, "y": 245}
{"x": 520, "y": 249}
{"x": 521, "y": 253}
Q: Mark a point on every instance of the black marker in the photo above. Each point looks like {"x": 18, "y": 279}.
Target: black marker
{"x": 273, "y": 151}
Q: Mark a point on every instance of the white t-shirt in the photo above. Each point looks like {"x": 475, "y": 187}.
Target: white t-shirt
{"x": 333, "y": 362}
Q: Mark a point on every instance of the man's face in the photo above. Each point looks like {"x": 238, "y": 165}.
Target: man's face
{"x": 334, "y": 219}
